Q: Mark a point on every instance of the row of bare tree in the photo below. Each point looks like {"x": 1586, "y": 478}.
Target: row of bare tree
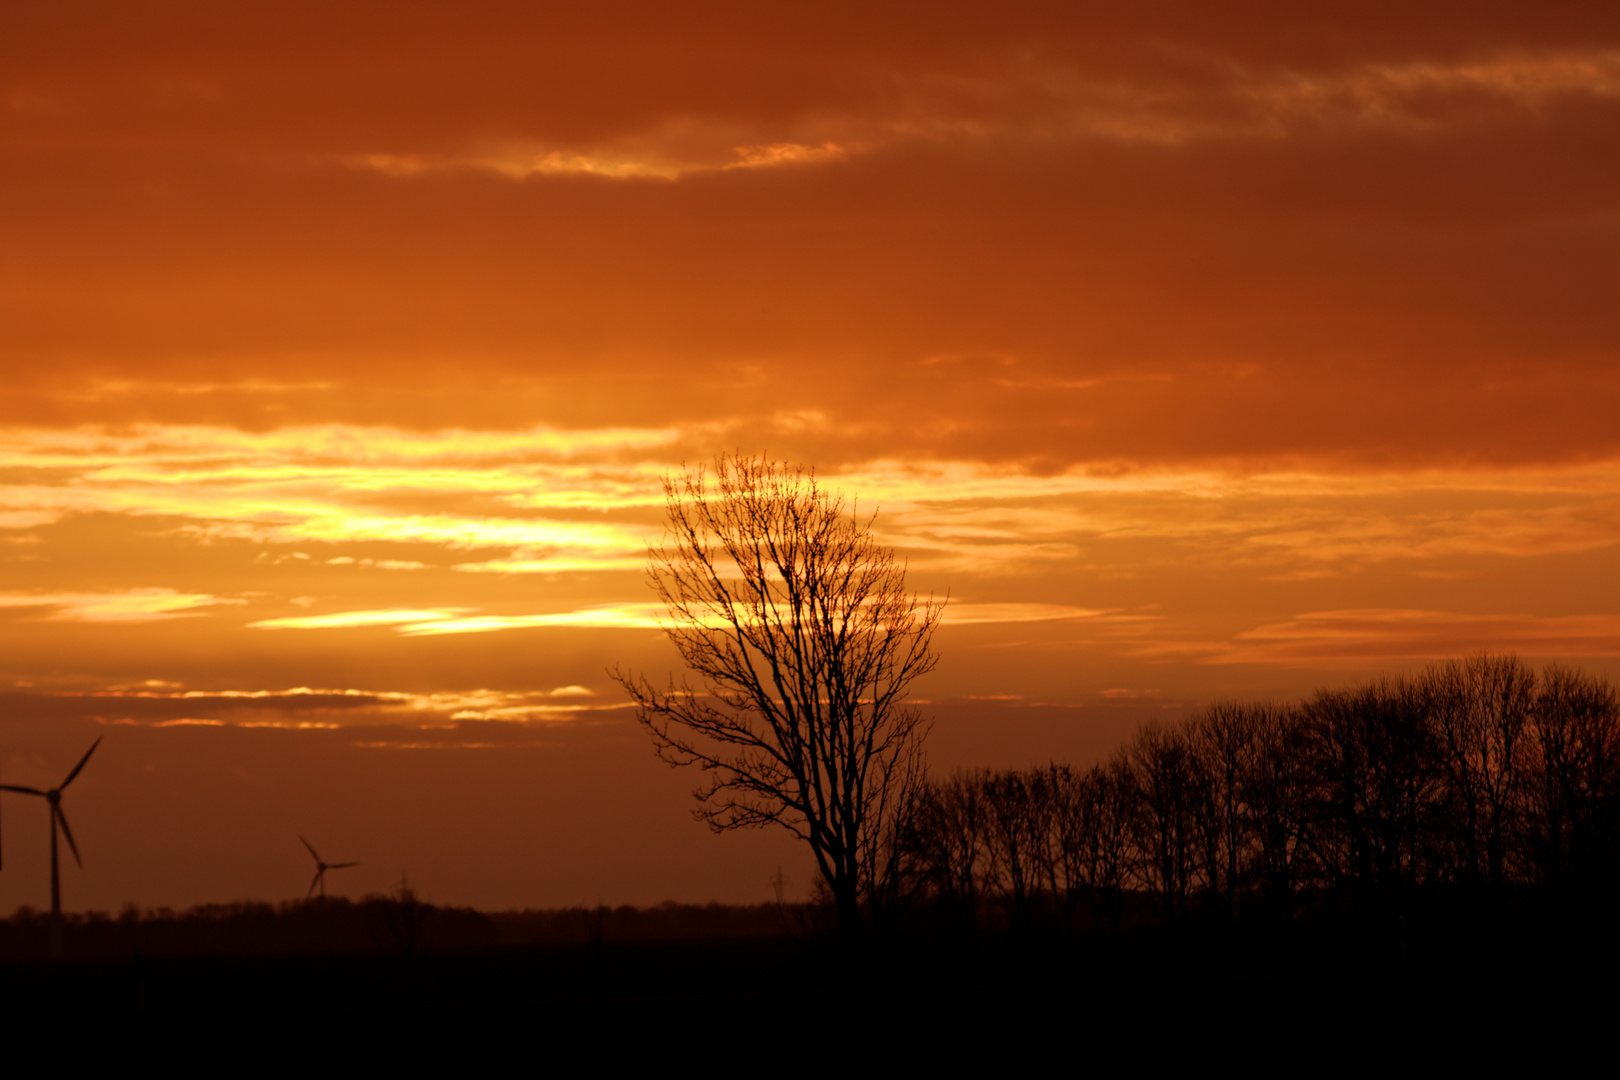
{"x": 1476, "y": 774}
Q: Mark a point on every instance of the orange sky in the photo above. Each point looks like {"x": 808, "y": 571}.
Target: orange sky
{"x": 1194, "y": 354}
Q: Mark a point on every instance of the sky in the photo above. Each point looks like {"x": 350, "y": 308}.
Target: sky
{"x": 1192, "y": 353}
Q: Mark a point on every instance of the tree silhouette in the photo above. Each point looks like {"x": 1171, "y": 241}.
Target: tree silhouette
{"x": 1378, "y": 790}
{"x": 1480, "y": 709}
{"x": 1574, "y": 791}
{"x": 1019, "y": 817}
{"x": 1106, "y": 807}
{"x": 1223, "y": 741}
{"x": 1168, "y": 796}
{"x": 952, "y": 842}
{"x": 1278, "y": 794}
{"x": 1473, "y": 780}
{"x": 804, "y": 642}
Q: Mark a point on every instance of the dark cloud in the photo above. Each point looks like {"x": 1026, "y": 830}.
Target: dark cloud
{"x": 154, "y": 707}
{"x": 1102, "y": 201}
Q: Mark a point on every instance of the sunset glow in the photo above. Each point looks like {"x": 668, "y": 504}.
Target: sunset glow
{"x": 1181, "y": 357}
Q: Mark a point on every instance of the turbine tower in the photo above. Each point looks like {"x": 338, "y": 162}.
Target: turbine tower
{"x": 321, "y": 868}
{"x": 54, "y": 797}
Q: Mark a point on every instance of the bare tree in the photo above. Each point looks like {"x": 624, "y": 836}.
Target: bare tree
{"x": 1167, "y": 796}
{"x": 953, "y": 843}
{"x": 1070, "y": 818}
{"x": 1481, "y": 710}
{"x": 1574, "y": 784}
{"x": 1377, "y": 789}
{"x": 1224, "y": 743}
{"x": 1018, "y": 813}
{"x": 805, "y": 643}
{"x": 1278, "y": 793}
{"x": 1106, "y": 811}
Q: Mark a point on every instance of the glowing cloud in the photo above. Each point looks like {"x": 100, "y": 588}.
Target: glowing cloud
{"x": 969, "y": 614}
{"x": 519, "y": 162}
{"x": 324, "y": 484}
{"x": 785, "y": 153}
{"x": 614, "y": 617}
{"x": 306, "y": 708}
{"x": 1053, "y": 101}
{"x": 551, "y": 566}
{"x": 645, "y": 616}
{"x": 346, "y": 619}
{"x": 129, "y": 605}
{"x": 1354, "y": 636}
{"x": 339, "y": 486}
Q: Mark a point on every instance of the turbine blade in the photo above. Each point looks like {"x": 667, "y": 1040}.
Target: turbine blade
{"x": 340, "y": 865}
{"x": 22, "y": 790}
{"x": 312, "y": 850}
{"x": 314, "y": 883}
{"x": 67, "y": 832}
{"x": 82, "y": 760}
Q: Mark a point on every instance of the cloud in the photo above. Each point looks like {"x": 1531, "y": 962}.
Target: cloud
{"x": 305, "y": 708}
{"x": 1353, "y": 637}
{"x": 351, "y": 488}
{"x": 343, "y": 485}
{"x": 1288, "y": 525}
{"x": 647, "y": 616}
{"x": 348, "y": 619}
{"x": 522, "y": 162}
{"x": 961, "y": 614}
{"x": 557, "y": 565}
{"x": 381, "y": 564}
{"x": 607, "y": 617}
{"x": 128, "y": 605}
{"x": 225, "y": 451}
{"x": 1105, "y": 309}
{"x": 332, "y": 524}
{"x": 437, "y": 621}
{"x": 653, "y": 616}
{"x": 1047, "y": 97}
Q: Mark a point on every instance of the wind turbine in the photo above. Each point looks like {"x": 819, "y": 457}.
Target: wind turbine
{"x": 321, "y": 867}
{"x": 54, "y": 797}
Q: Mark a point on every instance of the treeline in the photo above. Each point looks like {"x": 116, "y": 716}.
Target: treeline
{"x": 1476, "y": 779}
{"x": 399, "y": 923}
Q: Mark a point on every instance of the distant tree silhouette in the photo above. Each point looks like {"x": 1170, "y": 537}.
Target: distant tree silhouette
{"x": 1480, "y": 711}
{"x": 1278, "y": 796}
{"x": 805, "y": 643}
{"x": 950, "y": 840}
{"x": 1224, "y": 743}
{"x": 399, "y": 918}
{"x": 1572, "y": 803}
{"x": 1019, "y": 819}
{"x": 1380, "y": 801}
{"x": 1378, "y": 792}
{"x": 1104, "y": 811}
{"x": 1167, "y": 784}
{"x": 1061, "y": 852}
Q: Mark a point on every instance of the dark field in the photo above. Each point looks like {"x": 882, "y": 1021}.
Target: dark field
{"x": 689, "y": 982}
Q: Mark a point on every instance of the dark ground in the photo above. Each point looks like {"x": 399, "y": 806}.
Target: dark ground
{"x": 751, "y": 987}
